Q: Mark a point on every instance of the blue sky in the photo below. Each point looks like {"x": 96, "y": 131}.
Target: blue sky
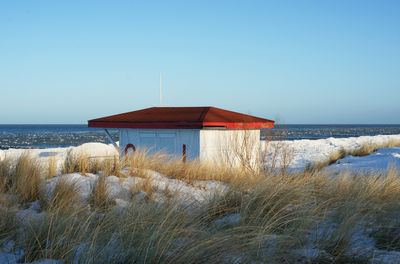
{"x": 293, "y": 61}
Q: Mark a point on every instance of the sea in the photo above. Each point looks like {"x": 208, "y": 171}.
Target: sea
{"x": 51, "y": 136}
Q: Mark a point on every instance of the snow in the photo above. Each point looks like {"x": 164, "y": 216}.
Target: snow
{"x": 308, "y": 151}
{"x": 386, "y": 257}
{"x": 31, "y": 215}
{"x": 94, "y": 149}
{"x": 83, "y": 184}
{"x": 232, "y": 219}
{"x": 7, "y": 253}
{"x": 302, "y": 151}
{"x": 120, "y": 189}
{"x": 380, "y": 160}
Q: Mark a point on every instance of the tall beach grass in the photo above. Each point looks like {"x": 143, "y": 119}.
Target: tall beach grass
{"x": 269, "y": 215}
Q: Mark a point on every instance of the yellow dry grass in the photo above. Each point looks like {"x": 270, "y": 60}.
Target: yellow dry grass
{"x": 266, "y": 215}
{"x": 25, "y": 179}
{"x": 100, "y": 195}
{"x": 113, "y": 166}
{"x": 272, "y": 215}
{"x": 63, "y": 197}
{"x": 5, "y": 170}
{"x": 51, "y": 167}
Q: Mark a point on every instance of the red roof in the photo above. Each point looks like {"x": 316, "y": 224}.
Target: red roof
{"x": 182, "y": 117}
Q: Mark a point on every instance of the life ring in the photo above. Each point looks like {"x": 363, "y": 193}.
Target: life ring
{"x": 128, "y": 146}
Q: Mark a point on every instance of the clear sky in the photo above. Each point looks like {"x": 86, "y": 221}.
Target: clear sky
{"x": 293, "y": 61}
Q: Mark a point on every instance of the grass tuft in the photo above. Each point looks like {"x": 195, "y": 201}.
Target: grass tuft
{"x": 51, "y": 168}
{"x": 63, "y": 198}
{"x": 99, "y": 197}
{"x": 114, "y": 166}
{"x": 70, "y": 164}
{"x": 5, "y": 173}
{"x": 26, "y": 179}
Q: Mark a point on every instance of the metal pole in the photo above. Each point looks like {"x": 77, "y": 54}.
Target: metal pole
{"x": 110, "y": 139}
{"x": 160, "y": 91}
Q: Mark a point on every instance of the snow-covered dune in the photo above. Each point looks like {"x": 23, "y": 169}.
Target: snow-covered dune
{"x": 152, "y": 185}
{"x": 380, "y": 160}
{"x": 93, "y": 149}
{"x": 308, "y": 151}
{"x": 302, "y": 152}
{"x": 90, "y": 149}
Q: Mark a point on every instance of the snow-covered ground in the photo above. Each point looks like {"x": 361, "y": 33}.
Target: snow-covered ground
{"x": 306, "y": 151}
{"x": 119, "y": 188}
{"x": 380, "y": 160}
{"x": 303, "y": 152}
{"x": 43, "y": 155}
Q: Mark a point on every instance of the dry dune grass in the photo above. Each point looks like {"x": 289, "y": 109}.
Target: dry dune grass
{"x": 5, "y": 169}
{"x": 8, "y": 209}
{"x": 71, "y": 164}
{"x": 274, "y": 218}
{"x": 114, "y": 166}
{"x": 176, "y": 169}
{"x": 63, "y": 198}
{"x": 100, "y": 195}
{"x": 51, "y": 167}
{"x": 25, "y": 179}
{"x": 56, "y": 235}
{"x": 269, "y": 218}
{"x": 266, "y": 216}
{"x": 367, "y": 149}
{"x": 81, "y": 163}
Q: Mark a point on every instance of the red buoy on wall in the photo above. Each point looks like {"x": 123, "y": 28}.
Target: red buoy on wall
{"x": 128, "y": 146}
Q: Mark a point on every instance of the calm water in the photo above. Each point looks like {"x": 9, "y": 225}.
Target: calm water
{"x": 292, "y": 132}
{"x": 45, "y": 136}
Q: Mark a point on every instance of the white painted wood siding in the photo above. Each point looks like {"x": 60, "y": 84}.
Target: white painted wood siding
{"x": 228, "y": 145}
{"x": 169, "y": 140}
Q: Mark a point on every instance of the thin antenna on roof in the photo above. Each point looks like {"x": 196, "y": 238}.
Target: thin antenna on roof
{"x": 161, "y": 103}
{"x": 160, "y": 91}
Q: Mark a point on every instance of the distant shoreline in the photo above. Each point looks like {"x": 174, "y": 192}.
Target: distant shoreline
{"x": 63, "y": 135}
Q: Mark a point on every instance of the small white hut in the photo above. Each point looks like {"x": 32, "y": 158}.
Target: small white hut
{"x": 205, "y": 133}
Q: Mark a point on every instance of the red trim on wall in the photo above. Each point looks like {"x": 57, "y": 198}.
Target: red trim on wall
{"x": 184, "y": 153}
{"x": 239, "y": 125}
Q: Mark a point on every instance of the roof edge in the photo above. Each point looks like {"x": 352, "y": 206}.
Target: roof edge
{"x": 181, "y": 125}
{"x": 171, "y": 125}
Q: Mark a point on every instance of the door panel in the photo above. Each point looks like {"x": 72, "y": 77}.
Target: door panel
{"x": 166, "y": 142}
{"x": 148, "y": 141}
